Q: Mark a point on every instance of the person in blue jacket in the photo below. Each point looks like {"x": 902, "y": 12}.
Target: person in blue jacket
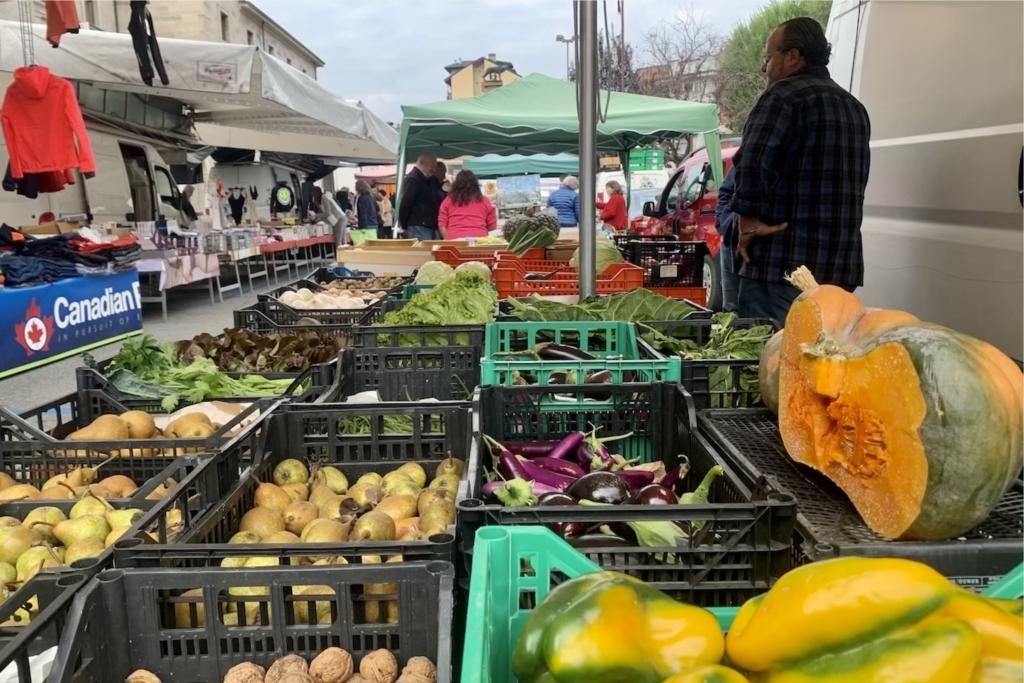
{"x": 566, "y": 202}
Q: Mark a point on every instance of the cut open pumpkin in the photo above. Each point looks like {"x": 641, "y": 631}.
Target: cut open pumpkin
{"x": 922, "y": 427}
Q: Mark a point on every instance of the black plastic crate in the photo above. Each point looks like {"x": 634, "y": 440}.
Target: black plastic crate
{"x": 325, "y": 276}
{"x": 282, "y": 314}
{"x": 319, "y": 383}
{"x": 446, "y": 373}
{"x": 830, "y": 526}
{"x": 366, "y": 336}
{"x": 625, "y": 242}
{"x": 745, "y": 543}
{"x": 141, "y": 603}
{"x": 311, "y": 434}
{"x": 290, "y": 287}
{"x": 669, "y": 264}
{"x": 713, "y": 383}
{"x": 50, "y": 596}
{"x": 265, "y": 317}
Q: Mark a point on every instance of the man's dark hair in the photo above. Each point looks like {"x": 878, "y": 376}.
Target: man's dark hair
{"x": 465, "y": 189}
{"x": 806, "y": 35}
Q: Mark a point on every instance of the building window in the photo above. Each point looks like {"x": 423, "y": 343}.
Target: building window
{"x": 249, "y": 38}
{"x": 225, "y": 29}
{"x": 90, "y": 13}
{"x": 270, "y": 49}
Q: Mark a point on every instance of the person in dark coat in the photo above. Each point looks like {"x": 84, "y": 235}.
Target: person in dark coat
{"x": 417, "y": 213}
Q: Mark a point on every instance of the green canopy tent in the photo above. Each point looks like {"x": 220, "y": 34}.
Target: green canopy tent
{"x": 538, "y": 115}
{"x": 496, "y": 165}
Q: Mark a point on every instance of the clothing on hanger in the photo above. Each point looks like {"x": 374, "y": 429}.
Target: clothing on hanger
{"x": 140, "y": 26}
{"x": 61, "y": 18}
{"x": 41, "y": 122}
{"x": 253, "y": 195}
{"x": 237, "y": 205}
{"x": 34, "y": 184}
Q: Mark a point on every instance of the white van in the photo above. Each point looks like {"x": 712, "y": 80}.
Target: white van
{"x": 132, "y": 183}
{"x": 263, "y": 177}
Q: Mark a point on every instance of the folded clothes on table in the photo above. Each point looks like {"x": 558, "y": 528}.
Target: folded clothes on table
{"x": 32, "y": 270}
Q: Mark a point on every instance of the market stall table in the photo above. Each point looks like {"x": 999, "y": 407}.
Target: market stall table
{"x": 176, "y": 270}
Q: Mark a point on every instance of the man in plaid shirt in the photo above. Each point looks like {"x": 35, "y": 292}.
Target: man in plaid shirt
{"x": 800, "y": 176}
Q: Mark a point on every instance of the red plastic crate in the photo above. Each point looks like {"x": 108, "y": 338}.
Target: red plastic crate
{"x": 697, "y": 295}
{"x": 532, "y": 265}
{"x": 454, "y": 257}
{"x": 510, "y": 281}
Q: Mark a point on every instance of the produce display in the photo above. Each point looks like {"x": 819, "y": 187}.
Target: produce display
{"x": 633, "y": 306}
{"x": 847, "y": 619}
{"x": 921, "y": 426}
{"x": 341, "y": 299}
{"x": 371, "y": 284}
{"x": 606, "y": 253}
{"x": 149, "y": 369}
{"x": 240, "y": 350}
{"x": 490, "y": 240}
{"x": 466, "y": 299}
{"x": 539, "y": 222}
{"x": 535, "y": 232}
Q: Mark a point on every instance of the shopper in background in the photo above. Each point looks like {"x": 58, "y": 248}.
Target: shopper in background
{"x": 613, "y": 212}
{"x": 186, "y": 203}
{"x": 387, "y": 215}
{"x": 566, "y": 202}
{"x": 417, "y": 214}
{"x": 800, "y": 176}
{"x": 366, "y": 213}
{"x": 344, "y": 199}
{"x": 439, "y": 182}
{"x": 725, "y": 223}
{"x": 466, "y": 212}
{"x": 329, "y": 213}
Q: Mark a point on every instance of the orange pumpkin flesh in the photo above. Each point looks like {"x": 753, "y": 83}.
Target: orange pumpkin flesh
{"x": 920, "y": 426}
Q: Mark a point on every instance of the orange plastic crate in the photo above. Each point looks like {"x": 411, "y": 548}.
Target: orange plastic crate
{"x": 697, "y": 295}
{"x": 531, "y": 265}
{"x": 510, "y": 281}
{"x": 455, "y": 257}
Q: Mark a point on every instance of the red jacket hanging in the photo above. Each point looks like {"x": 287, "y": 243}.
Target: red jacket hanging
{"x": 41, "y": 120}
{"x": 61, "y": 18}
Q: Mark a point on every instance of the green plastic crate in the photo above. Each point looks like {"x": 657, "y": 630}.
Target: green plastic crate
{"x": 514, "y": 562}
{"x": 601, "y": 339}
{"x": 409, "y": 290}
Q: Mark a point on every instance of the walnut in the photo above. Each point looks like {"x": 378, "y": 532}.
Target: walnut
{"x": 286, "y": 665}
{"x": 246, "y": 672}
{"x": 379, "y": 667}
{"x": 295, "y": 677}
{"x": 419, "y": 670}
{"x": 142, "y": 676}
{"x": 333, "y": 665}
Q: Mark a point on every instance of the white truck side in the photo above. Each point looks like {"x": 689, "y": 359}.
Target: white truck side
{"x": 943, "y": 225}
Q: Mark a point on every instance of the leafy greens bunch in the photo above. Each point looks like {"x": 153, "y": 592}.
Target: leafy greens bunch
{"x": 466, "y": 299}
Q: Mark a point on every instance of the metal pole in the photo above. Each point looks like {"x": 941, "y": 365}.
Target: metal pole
{"x": 567, "y": 60}
{"x": 586, "y": 81}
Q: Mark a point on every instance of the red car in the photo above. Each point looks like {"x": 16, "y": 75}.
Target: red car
{"x": 686, "y": 208}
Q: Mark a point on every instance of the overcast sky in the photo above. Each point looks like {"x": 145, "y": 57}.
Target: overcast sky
{"x": 387, "y": 53}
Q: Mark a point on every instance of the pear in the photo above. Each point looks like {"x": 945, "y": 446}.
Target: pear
{"x": 414, "y": 471}
{"x": 281, "y": 537}
{"x": 87, "y": 547}
{"x": 301, "y": 607}
{"x": 451, "y": 465}
{"x": 7, "y": 522}
{"x": 332, "y": 478}
{"x": 271, "y": 496}
{"x": 19, "y": 492}
{"x": 436, "y": 518}
{"x": 79, "y": 476}
{"x": 326, "y": 531}
{"x": 98, "y": 490}
{"x": 34, "y": 560}
{"x": 233, "y": 562}
{"x": 120, "y": 485}
{"x": 339, "y": 506}
{"x": 448, "y": 482}
{"x": 290, "y": 471}
{"x": 373, "y": 526}
{"x": 320, "y": 494}
{"x": 413, "y": 536}
{"x": 404, "y": 488}
{"x": 298, "y": 515}
{"x": 14, "y": 541}
{"x": 404, "y": 526}
{"x": 6, "y": 481}
{"x": 372, "y": 607}
{"x": 176, "y": 429}
{"x": 42, "y": 519}
{"x": 398, "y": 507}
{"x": 309, "y": 527}
{"x": 78, "y": 528}
{"x": 262, "y": 521}
{"x": 330, "y": 561}
{"x": 430, "y": 496}
{"x": 114, "y": 536}
{"x": 197, "y": 430}
{"x": 367, "y": 495}
{"x": 189, "y": 614}
{"x": 90, "y": 505}
{"x": 8, "y": 573}
{"x": 120, "y": 518}
{"x": 393, "y": 479}
{"x": 161, "y": 491}
{"x": 103, "y": 428}
{"x": 297, "y": 492}
{"x": 61, "y": 492}
{"x": 245, "y": 537}
{"x": 140, "y": 424}
{"x": 252, "y": 609}
{"x": 370, "y": 478}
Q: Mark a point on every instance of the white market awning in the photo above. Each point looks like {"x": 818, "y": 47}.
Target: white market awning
{"x": 241, "y": 96}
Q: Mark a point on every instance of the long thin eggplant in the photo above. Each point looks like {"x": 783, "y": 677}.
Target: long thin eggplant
{"x": 567, "y": 446}
{"x": 564, "y": 467}
{"x": 591, "y": 453}
{"x": 562, "y": 352}
{"x": 599, "y": 541}
{"x": 600, "y": 377}
{"x": 511, "y": 468}
{"x": 532, "y": 449}
{"x": 532, "y": 472}
{"x": 636, "y": 479}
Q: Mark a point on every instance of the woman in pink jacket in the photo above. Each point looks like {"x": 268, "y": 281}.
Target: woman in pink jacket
{"x": 466, "y": 212}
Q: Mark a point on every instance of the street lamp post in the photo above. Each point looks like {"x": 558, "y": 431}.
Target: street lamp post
{"x": 568, "y": 41}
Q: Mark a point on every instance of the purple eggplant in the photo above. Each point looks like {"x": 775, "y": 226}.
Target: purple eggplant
{"x": 601, "y": 487}
{"x": 655, "y": 494}
{"x": 510, "y": 468}
{"x": 592, "y": 455}
{"x": 565, "y": 530}
{"x": 567, "y": 447}
{"x": 555, "y": 480}
{"x": 636, "y": 479}
{"x": 560, "y": 352}
{"x": 564, "y": 467}
{"x": 598, "y": 541}
{"x": 532, "y": 449}
{"x": 556, "y": 498}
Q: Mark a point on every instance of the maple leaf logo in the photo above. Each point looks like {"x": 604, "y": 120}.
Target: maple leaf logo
{"x": 34, "y": 334}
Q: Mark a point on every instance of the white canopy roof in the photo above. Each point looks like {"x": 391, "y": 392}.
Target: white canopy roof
{"x": 242, "y": 96}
